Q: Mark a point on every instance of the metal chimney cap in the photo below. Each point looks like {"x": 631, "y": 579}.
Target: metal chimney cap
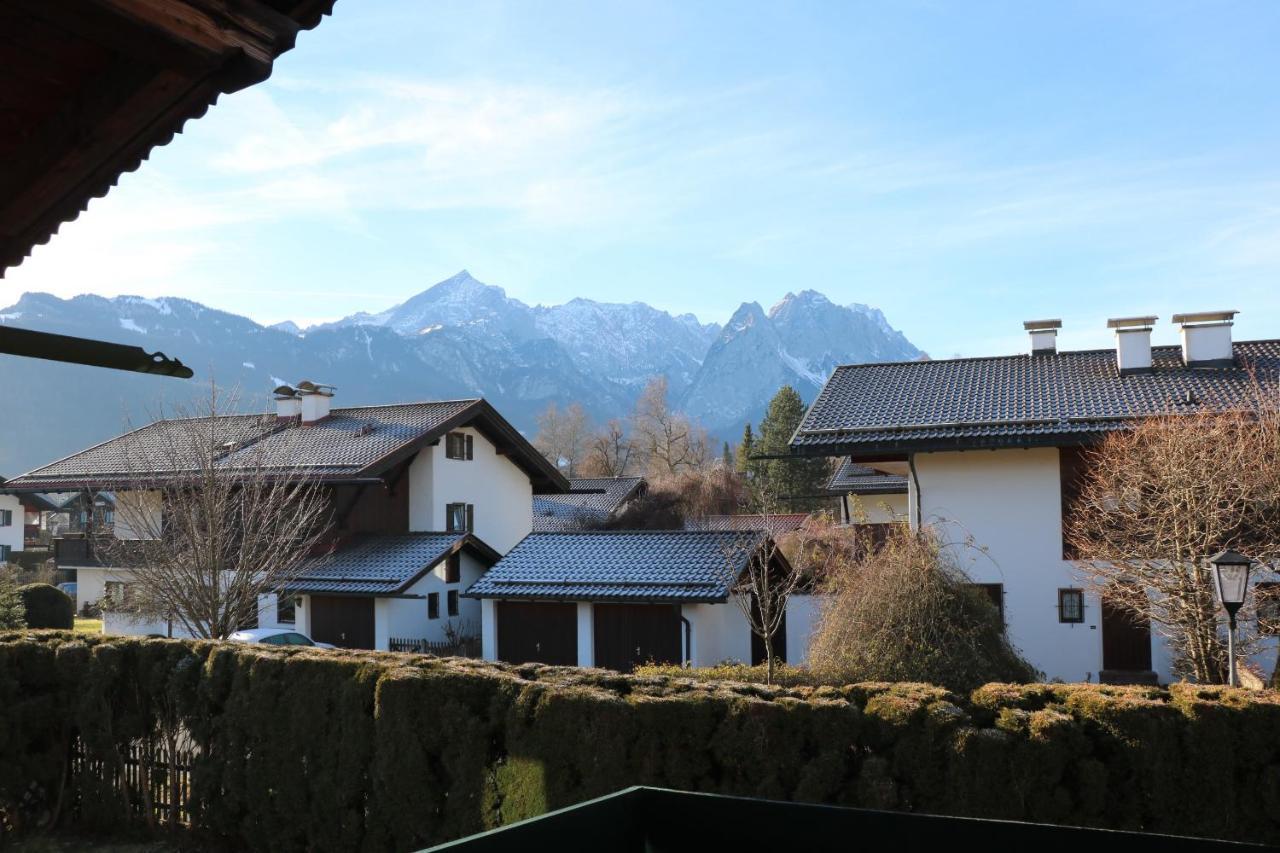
{"x": 1131, "y": 322}
{"x": 1205, "y": 317}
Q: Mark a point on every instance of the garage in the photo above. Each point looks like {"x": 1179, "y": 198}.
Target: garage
{"x": 344, "y": 622}
{"x": 631, "y": 634}
{"x": 542, "y": 633}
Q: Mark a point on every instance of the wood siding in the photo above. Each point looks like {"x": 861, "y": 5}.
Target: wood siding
{"x": 542, "y": 633}
{"x": 631, "y": 634}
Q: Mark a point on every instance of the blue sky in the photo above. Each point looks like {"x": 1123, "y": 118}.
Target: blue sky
{"x": 963, "y": 166}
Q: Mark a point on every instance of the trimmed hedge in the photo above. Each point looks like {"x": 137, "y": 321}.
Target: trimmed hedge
{"x": 47, "y": 606}
{"x": 304, "y": 749}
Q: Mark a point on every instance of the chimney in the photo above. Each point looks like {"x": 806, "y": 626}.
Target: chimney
{"x": 315, "y": 399}
{"x": 1206, "y": 338}
{"x": 288, "y": 403}
{"x": 1133, "y": 343}
{"x": 1044, "y": 335}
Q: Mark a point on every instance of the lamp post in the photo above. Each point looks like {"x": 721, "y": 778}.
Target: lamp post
{"x": 1231, "y": 577}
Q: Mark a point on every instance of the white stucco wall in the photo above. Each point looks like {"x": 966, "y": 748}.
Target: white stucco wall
{"x": 488, "y": 629}
{"x": 11, "y": 534}
{"x": 138, "y": 515}
{"x": 407, "y": 617}
{"x": 875, "y": 509}
{"x": 802, "y": 619}
{"x": 1009, "y": 502}
{"x": 720, "y": 633}
{"x": 500, "y": 491}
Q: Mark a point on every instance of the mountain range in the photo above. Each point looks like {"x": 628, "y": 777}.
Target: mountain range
{"x": 458, "y": 338}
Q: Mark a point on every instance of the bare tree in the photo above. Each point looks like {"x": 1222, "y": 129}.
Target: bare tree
{"x": 761, "y": 580}
{"x": 668, "y": 441}
{"x": 563, "y": 436}
{"x": 609, "y": 452}
{"x": 1155, "y": 501}
{"x": 223, "y": 512}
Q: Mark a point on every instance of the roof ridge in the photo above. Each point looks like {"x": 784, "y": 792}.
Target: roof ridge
{"x": 1023, "y": 355}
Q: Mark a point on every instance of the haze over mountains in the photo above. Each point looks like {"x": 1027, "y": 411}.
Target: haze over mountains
{"x": 459, "y": 338}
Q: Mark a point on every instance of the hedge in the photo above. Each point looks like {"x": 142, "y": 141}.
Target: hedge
{"x": 302, "y": 749}
{"x": 47, "y": 606}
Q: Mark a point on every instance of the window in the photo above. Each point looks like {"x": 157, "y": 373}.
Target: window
{"x": 453, "y": 602}
{"x": 459, "y": 518}
{"x": 433, "y": 605}
{"x": 995, "y": 592}
{"x": 275, "y": 640}
{"x": 4, "y": 553}
{"x": 117, "y": 592}
{"x": 286, "y": 610}
{"x": 6, "y": 517}
{"x": 292, "y": 639}
{"x": 458, "y": 445}
{"x": 453, "y": 568}
{"x": 1071, "y": 606}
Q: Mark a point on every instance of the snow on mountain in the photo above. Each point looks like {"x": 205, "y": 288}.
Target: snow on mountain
{"x": 460, "y": 337}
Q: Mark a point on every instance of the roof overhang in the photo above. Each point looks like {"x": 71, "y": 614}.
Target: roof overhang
{"x": 92, "y": 86}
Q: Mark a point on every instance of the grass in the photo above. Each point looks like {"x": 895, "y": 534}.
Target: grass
{"x": 88, "y": 626}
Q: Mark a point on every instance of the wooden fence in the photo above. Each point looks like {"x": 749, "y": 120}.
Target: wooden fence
{"x": 155, "y": 778}
{"x": 467, "y": 648}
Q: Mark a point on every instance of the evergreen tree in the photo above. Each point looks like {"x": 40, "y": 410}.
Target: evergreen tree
{"x": 728, "y": 457}
{"x": 747, "y": 466}
{"x": 13, "y": 613}
{"x": 795, "y": 481}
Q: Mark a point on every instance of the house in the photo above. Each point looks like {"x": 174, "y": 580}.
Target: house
{"x": 590, "y": 502}
{"x": 423, "y": 496}
{"x": 615, "y": 599}
{"x": 12, "y": 538}
{"x": 867, "y": 495}
{"x": 987, "y": 447}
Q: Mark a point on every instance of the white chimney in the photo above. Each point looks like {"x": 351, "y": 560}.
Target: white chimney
{"x": 288, "y": 403}
{"x": 1044, "y": 335}
{"x": 315, "y": 399}
{"x": 1206, "y": 338}
{"x": 1133, "y": 343}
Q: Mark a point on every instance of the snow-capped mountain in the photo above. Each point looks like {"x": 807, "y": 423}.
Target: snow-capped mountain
{"x": 797, "y": 343}
{"x": 459, "y": 338}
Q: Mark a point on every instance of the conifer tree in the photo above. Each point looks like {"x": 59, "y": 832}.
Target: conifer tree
{"x": 13, "y": 613}
{"x": 797, "y": 482}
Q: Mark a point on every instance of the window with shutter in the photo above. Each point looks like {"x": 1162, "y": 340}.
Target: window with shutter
{"x": 453, "y": 568}
{"x": 6, "y": 517}
{"x": 453, "y": 602}
{"x": 433, "y": 605}
{"x": 471, "y": 518}
{"x": 458, "y": 445}
{"x": 455, "y": 518}
{"x": 470, "y": 448}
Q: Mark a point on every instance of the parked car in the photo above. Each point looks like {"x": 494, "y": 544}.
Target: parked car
{"x": 70, "y": 589}
{"x": 276, "y": 637}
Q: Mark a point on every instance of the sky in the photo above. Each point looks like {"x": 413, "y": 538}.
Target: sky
{"x": 962, "y": 166}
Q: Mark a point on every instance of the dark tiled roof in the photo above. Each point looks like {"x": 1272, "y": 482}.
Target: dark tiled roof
{"x": 651, "y": 565}
{"x": 852, "y": 478}
{"x": 775, "y": 525}
{"x": 1067, "y": 397}
{"x": 381, "y": 564}
{"x": 588, "y": 500}
{"x": 350, "y": 443}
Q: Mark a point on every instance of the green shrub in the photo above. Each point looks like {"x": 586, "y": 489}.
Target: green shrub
{"x": 302, "y": 749}
{"x": 47, "y": 606}
{"x": 783, "y": 675}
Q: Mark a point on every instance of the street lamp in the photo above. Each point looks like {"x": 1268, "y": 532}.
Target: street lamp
{"x": 1231, "y": 576}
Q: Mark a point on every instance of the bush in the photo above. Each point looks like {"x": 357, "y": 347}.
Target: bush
{"x": 12, "y": 613}
{"x": 303, "y": 749}
{"x": 783, "y": 675}
{"x": 905, "y": 611}
{"x": 47, "y": 606}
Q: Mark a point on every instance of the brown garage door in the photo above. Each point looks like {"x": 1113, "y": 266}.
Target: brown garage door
{"x": 345, "y": 622}
{"x": 545, "y": 633}
{"x": 630, "y": 634}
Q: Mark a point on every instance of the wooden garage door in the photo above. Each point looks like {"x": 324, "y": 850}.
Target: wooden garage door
{"x": 545, "y": 633}
{"x": 345, "y": 622}
{"x": 630, "y": 634}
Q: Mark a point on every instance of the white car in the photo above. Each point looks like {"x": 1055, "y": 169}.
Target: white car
{"x": 276, "y": 637}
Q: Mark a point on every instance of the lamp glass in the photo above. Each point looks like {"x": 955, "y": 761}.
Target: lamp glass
{"x": 1233, "y": 580}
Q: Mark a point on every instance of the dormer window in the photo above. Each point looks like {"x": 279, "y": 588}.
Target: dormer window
{"x": 458, "y": 445}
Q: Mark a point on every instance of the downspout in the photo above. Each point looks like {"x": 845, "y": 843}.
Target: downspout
{"x": 915, "y": 481}
{"x": 688, "y": 641}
